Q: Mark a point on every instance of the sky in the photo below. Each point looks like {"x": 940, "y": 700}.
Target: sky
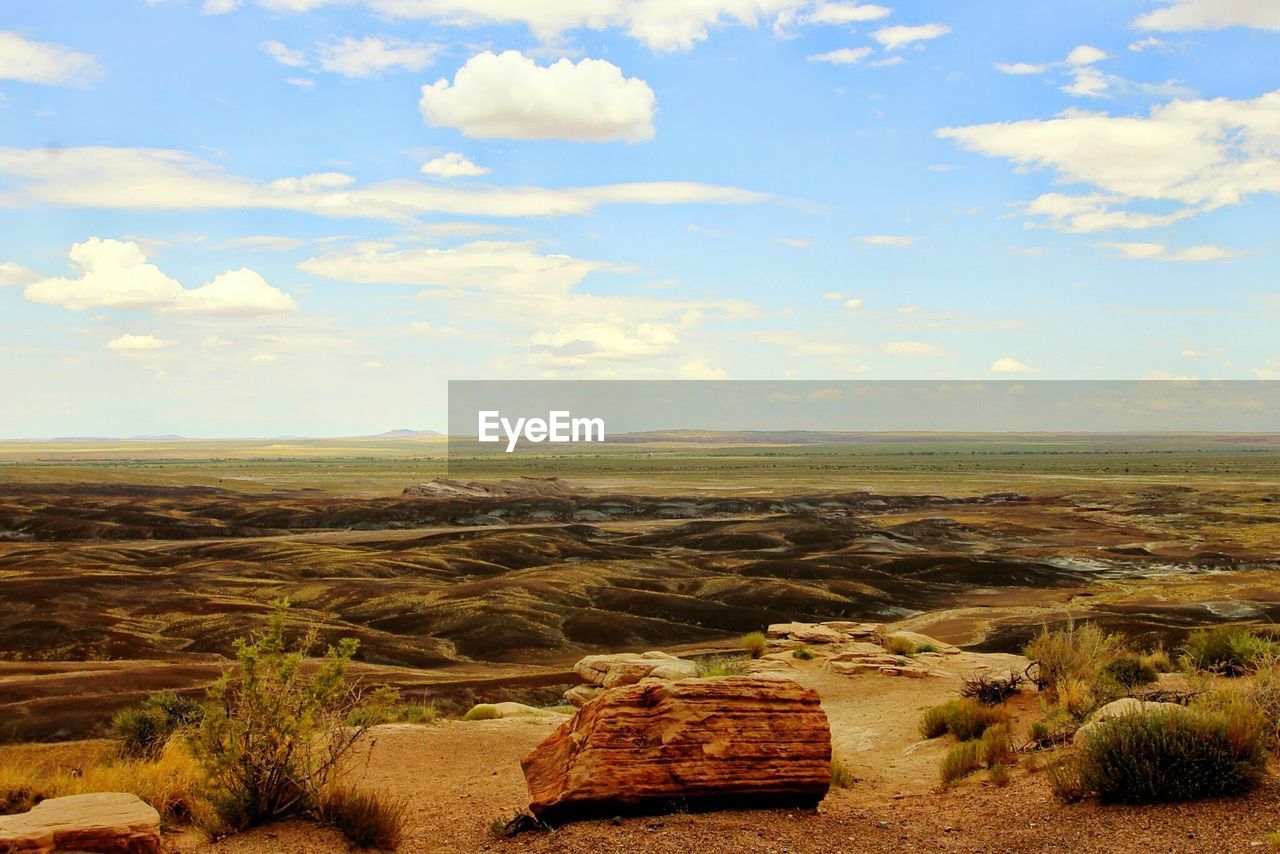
{"x": 304, "y": 217}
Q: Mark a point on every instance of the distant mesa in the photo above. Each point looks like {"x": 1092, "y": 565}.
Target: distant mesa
{"x": 404, "y": 433}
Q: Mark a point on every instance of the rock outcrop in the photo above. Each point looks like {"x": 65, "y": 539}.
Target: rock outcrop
{"x": 1118, "y": 709}
{"x": 697, "y": 744}
{"x": 104, "y": 822}
{"x": 628, "y": 668}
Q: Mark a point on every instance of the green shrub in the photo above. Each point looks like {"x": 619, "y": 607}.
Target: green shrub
{"x": 1168, "y": 756}
{"x": 721, "y": 665}
{"x": 274, "y": 736}
{"x": 1229, "y": 650}
{"x": 754, "y": 643}
{"x": 483, "y": 712}
{"x": 927, "y": 647}
{"x": 803, "y": 653}
{"x": 1264, "y": 695}
{"x": 1065, "y": 780}
{"x": 144, "y": 729}
{"x": 999, "y": 776}
{"x": 965, "y": 718}
{"x": 367, "y": 819}
{"x": 1071, "y": 654}
{"x": 898, "y": 645}
{"x": 1159, "y": 660}
{"x": 1129, "y": 671}
{"x": 841, "y": 775}
{"x": 961, "y": 761}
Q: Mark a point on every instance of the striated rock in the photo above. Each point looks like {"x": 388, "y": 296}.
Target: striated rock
{"x": 520, "y": 710}
{"x": 857, "y": 631}
{"x": 579, "y": 695}
{"x": 1118, "y": 709}
{"x": 628, "y": 668}
{"x": 806, "y": 632}
{"x": 701, "y": 743}
{"x": 104, "y": 822}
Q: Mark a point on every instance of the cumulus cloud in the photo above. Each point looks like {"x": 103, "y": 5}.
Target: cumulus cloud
{"x": 1192, "y": 155}
{"x": 910, "y": 348}
{"x": 900, "y": 36}
{"x": 44, "y": 63}
{"x": 116, "y": 274}
{"x": 509, "y": 96}
{"x": 371, "y": 55}
{"x": 136, "y": 343}
{"x": 846, "y": 13}
{"x": 1211, "y": 15}
{"x": 283, "y": 54}
{"x": 1009, "y": 365}
{"x": 164, "y": 179}
{"x": 1160, "y": 252}
{"x": 698, "y": 369}
{"x": 16, "y": 274}
{"x": 1084, "y": 80}
{"x": 453, "y": 165}
{"x": 894, "y": 241}
{"x": 843, "y": 56}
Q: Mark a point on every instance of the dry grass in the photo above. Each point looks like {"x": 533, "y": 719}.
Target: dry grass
{"x": 483, "y": 712}
{"x": 841, "y": 775}
{"x": 367, "y": 819}
{"x": 754, "y": 644}
{"x": 1075, "y": 653}
{"x": 965, "y": 718}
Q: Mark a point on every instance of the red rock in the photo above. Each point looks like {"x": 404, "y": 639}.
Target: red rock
{"x": 103, "y": 822}
{"x": 731, "y": 742}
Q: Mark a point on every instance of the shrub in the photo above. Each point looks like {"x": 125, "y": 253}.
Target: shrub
{"x": 965, "y": 719}
{"x": 1159, "y": 660}
{"x": 754, "y": 644}
{"x": 1273, "y": 840}
{"x": 997, "y": 746}
{"x": 1073, "y": 653}
{"x": 483, "y": 712}
{"x": 992, "y": 690}
{"x": 927, "y": 647}
{"x": 144, "y": 729}
{"x": 273, "y": 737}
{"x": 1129, "y": 671}
{"x": 1076, "y": 697}
{"x": 1065, "y": 780}
{"x": 1164, "y": 756}
{"x": 721, "y": 665}
{"x": 960, "y": 761}
{"x": 803, "y": 653}
{"x": 367, "y": 819}
{"x": 898, "y": 645}
{"x": 1229, "y": 650}
{"x": 841, "y": 775}
{"x": 999, "y": 776}
{"x": 1264, "y": 695}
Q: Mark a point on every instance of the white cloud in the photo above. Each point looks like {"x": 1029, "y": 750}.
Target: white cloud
{"x": 371, "y": 365}
{"x": 895, "y": 241}
{"x": 900, "y": 36}
{"x": 853, "y": 304}
{"x": 1086, "y": 55}
{"x": 910, "y": 348}
{"x": 843, "y": 56}
{"x": 1009, "y": 365}
{"x": 509, "y": 96}
{"x": 164, "y": 179}
{"x": 1194, "y": 154}
{"x": 697, "y": 369}
{"x": 16, "y": 274}
{"x": 1149, "y": 43}
{"x": 264, "y": 243}
{"x": 1270, "y": 369}
{"x": 1083, "y": 79}
{"x": 135, "y": 343}
{"x": 264, "y": 358}
{"x": 1158, "y": 251}
{"x": 283, "y": 54}
{"x": 1021, "y": 68}
{"x": 44, "y": 63}
{"x": 423, "y": 329}
{"x": 1211, "y": 15}
{"x": 846, "y": 13}
{"x": 453, "y": 165}
{"x": 301, "y": 82}
{"x": 609, "y": 341}
{"x": 219, "y": 7}
{"x": 115, "y": 274}
{"x": 371, "y": 55}
{"x": 795, "y": 242}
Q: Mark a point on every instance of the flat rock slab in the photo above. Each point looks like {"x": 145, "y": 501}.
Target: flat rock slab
{"x": 693, "y": 744}
{"x": 103, "y": 822}
{"x": 628, "y": 668}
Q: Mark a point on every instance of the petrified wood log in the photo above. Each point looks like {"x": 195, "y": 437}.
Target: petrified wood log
{"x": 105, "y": 822}
{"x": 696, "y": 744}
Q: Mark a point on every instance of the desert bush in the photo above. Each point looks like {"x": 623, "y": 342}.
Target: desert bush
{"x": 1264, "y": 694}
{"x": 997, "y": 746}
{"x": 721, "y": 665}
{"x": 960, "y": 761}
{"x": 841, "y": 775}
{"x": 1163, "y": 756}
{"x": 482, "y": 712}
{"x": 1229, "y": 650}
{"x": 964, "y": 718}
{"x": 1129, "y": 671}
{"x": 999, "y": 776}
{"x": 144, "y": 729}
{"x": 803, "y": 653}
{"x": 1065, "y": 780}
{"x": 1159, "y": 660}
{"x": 1076, "y": 653}
{"x": 1273, "y": 841}
{"x": 754, "y": 644}
{"x": 991, "y": 690}
{"x": 274, "y": 737}
{"x": 927, "y": 647}
{"x": 367, "y": 819}
{"x": 898, "y": 645}
{"x": 1077, "y": 698}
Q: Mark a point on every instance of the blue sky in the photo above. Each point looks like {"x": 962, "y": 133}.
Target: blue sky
{"x": 266, "y": 217}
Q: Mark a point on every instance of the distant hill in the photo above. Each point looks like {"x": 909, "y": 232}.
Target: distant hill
{"x": 404, "y": 433}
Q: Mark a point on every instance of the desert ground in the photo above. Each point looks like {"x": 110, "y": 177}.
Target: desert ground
{"x": 129, "y": 568}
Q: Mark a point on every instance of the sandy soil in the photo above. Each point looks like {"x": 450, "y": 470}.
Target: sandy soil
{"x": 459, "y": 777}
